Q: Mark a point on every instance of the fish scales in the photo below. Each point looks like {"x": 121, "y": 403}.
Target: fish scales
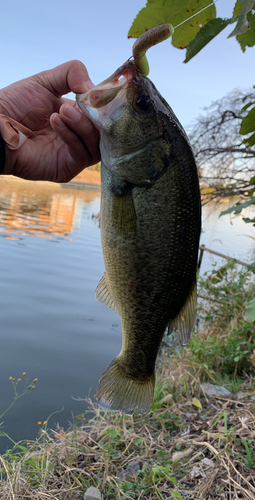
{"x": 150, "y": 227}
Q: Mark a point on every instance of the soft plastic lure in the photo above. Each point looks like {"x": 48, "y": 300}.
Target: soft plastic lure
{"x": 147, "y": 40}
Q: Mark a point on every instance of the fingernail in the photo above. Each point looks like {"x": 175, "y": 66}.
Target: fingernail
{"x": 57, "y": 120}
{"x": 86, "y": 86}
{"x": 89, "y": 84}
{"x": 71, "y": 112}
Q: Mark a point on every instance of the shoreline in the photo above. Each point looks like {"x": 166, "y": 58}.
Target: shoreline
{"x": 87, "y": 179}
{"x": 80, "y": 185}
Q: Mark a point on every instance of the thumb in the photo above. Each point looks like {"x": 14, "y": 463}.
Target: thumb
{"x": 71, "y": 76}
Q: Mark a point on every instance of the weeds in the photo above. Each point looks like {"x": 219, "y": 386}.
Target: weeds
{"x": 135, "y": 457}
{"x": 26, "y": 389}
{"x": 226, "y": 342}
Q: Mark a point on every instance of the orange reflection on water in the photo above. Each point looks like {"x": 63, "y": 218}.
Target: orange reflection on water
{"x": 38, "y": 209}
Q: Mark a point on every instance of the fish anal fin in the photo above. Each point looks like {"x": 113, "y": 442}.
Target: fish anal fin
{"x": 103, "y": 294}
{"x": 117, "y": 392}
{"x": 185, "y": 320}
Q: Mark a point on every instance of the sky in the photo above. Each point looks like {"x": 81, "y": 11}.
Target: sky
{"x": 36, "y": 36}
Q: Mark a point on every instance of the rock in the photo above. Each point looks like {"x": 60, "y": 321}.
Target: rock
{"x": 215, "y": 390}
{"x": 199, "y": 469}
{"x": 240, "y": 395}
{"x": 207, "y": 462}
{"x": 197, "y": 472}
{"x": 92, "y": 494}
{"x": 131, "y": 469}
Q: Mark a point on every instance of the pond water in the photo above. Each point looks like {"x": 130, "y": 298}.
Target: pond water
{"x": 52, "y": 327}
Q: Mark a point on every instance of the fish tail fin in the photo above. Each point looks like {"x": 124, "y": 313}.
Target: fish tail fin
{"x": 117, "y": 392}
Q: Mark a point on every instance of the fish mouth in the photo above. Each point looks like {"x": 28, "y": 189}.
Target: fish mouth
{"x": 107, "y": 96}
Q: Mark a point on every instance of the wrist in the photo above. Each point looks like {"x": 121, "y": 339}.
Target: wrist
{"x": 2, "y": 155}
{"x": 2, "y": 143}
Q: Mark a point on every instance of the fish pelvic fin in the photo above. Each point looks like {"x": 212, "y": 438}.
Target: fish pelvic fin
{"x": 117, "y": 392}
{"x": 103, "y": 294}
{"x": 185, "y": 321}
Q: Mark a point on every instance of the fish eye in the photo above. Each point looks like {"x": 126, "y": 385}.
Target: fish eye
{"x": 143, "y": 102}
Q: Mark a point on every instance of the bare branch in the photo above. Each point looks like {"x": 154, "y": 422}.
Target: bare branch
{"x": 224, "y": 162}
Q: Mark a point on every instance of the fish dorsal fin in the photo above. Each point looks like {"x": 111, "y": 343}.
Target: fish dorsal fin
{"x": 185, "y": 321}
{"x": 103, "y": 294}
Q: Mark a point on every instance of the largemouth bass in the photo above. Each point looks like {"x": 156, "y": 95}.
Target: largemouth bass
{"x": 150, "y": 228}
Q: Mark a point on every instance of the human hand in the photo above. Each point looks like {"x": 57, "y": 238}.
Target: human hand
{"x": 65, "y": 141}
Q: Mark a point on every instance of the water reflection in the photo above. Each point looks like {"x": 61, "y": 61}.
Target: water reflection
{"x": 39, "y": 209}
{"x": 228, "y": 234}
{"x": 52, "y": 327}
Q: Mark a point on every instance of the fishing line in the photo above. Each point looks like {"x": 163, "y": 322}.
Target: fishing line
{"x": 196, "y": 14}
{"x": 193, "y": 15}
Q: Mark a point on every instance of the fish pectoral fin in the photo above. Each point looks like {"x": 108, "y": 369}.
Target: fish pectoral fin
{"x": 123, "y": 214}
{"x": 117, "y": 392}
{"x": 185, "y": 320}
{"x": 103, "y": 294}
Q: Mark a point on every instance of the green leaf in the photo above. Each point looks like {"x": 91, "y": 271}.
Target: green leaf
{"x": 175, "y": 12}
{"x": 248, "y": 221}
{"x": 128, "y": 485}
{"x": 242, "y": 24}
{"x": 248, "y": 452}
{"x": 248, "y": 105}
{"x": 222, "y": 414}
{"x": 238, "y": 7}
{"x": 249, "y": 314}
{"x": 196, "y": 403}
{"x": 250, "y": 140}
{"x": 176, "y": 494}
{"x": 248, "y": 123}
{"x": 205, "y": 35}
{"x": 238, "y": 207}
{"x": 230, "y": 210}
{"x": 138, "y": 441}
{"x": 248, "y": 126}
{"x": 247, "y": 39}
